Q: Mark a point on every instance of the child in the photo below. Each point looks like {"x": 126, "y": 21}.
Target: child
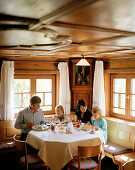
{"x": 59, "y": 110}
{"x": 99, "y": 122}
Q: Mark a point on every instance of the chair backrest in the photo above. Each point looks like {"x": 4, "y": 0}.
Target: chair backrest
{"x": 89, "y": 151}
{"x": 130, "y": 165}
{"x": 21, "y": 148}
{"x": 20, "y": 145}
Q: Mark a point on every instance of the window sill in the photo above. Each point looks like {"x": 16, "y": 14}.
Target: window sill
{"x": 125, "y": 122}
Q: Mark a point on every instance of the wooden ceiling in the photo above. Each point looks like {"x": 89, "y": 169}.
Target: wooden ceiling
{"x": 63, "y": 29}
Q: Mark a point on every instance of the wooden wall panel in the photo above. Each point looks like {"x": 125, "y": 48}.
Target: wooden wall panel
{"x": 31, "y": 65}
{"x": 121, "y": 132}
{"x": 119, "y": 64}
{"x": 124, "y": 135}
{"x": 7, "y": 129}
{"x": 81, "y": 95}
{"x": 11, "y": 131}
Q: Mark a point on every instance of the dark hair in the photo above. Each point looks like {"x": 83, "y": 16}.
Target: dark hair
{"x": 81, "y": 102}
{"x": 35, "y": 99}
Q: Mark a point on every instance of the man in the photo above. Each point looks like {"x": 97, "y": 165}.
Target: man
{"x": 29, "y": 117}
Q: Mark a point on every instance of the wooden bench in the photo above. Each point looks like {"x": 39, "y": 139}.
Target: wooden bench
{"x": 7, "y": 146}
{"x": 122, "y": 159}
{"x": 121, "y": 139}
{"x": 7, "y": 132}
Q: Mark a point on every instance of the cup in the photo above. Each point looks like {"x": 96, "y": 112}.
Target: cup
{"x": 79, "y": 122}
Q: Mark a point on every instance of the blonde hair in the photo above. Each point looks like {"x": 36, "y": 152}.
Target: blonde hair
{"x": 97, "y": 110}
{"x": 60, "y": 107}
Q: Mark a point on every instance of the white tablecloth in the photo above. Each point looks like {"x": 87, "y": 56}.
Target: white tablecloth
{"x": 57, "y": 149}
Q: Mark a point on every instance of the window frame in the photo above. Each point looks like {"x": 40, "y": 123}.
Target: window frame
{"x": 127, "y": 115}
{"x": 33, "y": 78}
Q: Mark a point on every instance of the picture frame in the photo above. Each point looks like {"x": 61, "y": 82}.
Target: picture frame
{"x": 81, "y": 75}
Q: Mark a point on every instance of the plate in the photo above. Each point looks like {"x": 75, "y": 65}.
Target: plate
{"x": 40, "y": 127}
{"x": 86, "y": 128}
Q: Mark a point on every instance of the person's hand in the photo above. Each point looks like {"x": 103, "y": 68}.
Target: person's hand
{"x": 29, "y": 125}
{"x": 97, "y": 128}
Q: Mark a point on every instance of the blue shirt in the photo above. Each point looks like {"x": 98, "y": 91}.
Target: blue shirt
{"x": 25, "y": 116}
{"x": 102, "y": 124}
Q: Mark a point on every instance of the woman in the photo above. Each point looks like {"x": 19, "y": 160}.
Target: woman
{"x": 83, "y": 113}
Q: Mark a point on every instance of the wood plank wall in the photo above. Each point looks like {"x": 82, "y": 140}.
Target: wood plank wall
{"x": 120, "y": 66}
{"x": 36, "y": 67}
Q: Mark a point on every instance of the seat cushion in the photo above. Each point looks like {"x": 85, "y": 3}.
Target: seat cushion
{"x": 115, "y": 149}
{"x": 32, "y": 159}
{"x": 7, "y": 144}
{"x": 85, "y": 163}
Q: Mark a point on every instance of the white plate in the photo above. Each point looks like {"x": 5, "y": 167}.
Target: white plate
{"x": 40, "y": 128}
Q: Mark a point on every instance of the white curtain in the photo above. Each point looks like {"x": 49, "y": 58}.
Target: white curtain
{"x": 98, "y": 87}
{"x": 64, "y": 96}
{"x": 7, "y": 90}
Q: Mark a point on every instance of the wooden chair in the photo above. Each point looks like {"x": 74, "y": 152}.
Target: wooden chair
{"x": 28, "y": 160}
{"x": 130, "y": 165}
{"x": 84, "y": 161}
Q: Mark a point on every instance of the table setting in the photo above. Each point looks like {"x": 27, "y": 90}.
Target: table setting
{"x": 58, "y": 145}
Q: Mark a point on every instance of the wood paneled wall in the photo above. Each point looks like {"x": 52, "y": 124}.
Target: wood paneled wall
{"x": 120, "y": 66}
{"x": 36, "y": 67}
{"x": 121, "y": 132}
{"x": 7, "y": 130}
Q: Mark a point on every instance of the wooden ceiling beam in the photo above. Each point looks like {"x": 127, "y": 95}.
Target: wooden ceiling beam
{"x": 91, "y": 42}
{"x": 103, "y": 39}
{"x": 4, "y": 17}
{"x": 60, "y": 12}
{"x": 113, "y": 45}
{"x": 89, "y": 28}
{"x": 111, "y": 51}
{"x": 66, "y": 47}
{"x": 72, "y": 54}
{"x": 13, "y": 27}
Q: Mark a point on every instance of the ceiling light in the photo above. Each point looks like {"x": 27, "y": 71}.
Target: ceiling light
{"x": 83, "y": 62}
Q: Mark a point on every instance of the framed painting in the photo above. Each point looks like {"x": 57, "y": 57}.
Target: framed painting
{"x": 81, "y": 75}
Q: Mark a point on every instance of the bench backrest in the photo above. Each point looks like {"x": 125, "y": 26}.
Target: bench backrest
{"x": 121, "y": 132}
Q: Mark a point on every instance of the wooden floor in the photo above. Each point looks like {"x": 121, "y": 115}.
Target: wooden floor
{"x": 8, "y": 161}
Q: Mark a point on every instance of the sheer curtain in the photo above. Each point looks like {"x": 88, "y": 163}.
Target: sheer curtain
{"x": 64, "y": 96}
{"x": 7, "y": 90}
{"x": 98, "y": 87}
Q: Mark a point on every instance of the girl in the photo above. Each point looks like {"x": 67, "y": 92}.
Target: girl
{"x": 99, "y": 122}
{"x": 59, "y": 110}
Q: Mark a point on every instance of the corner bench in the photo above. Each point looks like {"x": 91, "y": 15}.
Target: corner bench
{"x": 123, "y": 158}
{"x": 7, "y": 146}
{"x": 121, "y": 138}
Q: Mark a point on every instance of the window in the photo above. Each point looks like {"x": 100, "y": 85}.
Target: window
{"x": 123, "y": 96}
{"x": 25, "y": 86}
